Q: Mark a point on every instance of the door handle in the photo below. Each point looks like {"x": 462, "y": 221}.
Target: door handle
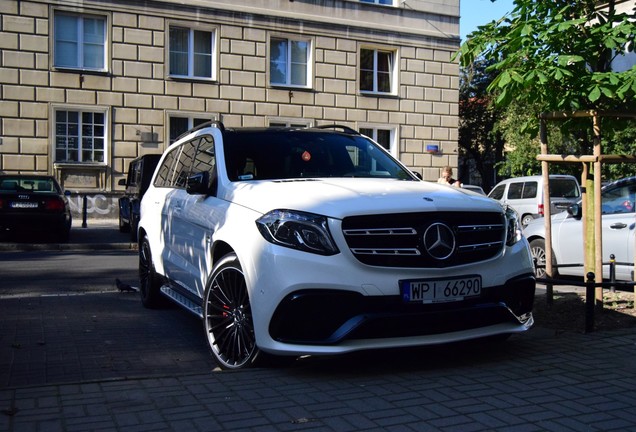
{"x": 618, "y": 225}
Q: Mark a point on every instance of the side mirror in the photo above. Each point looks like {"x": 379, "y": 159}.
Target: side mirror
{"x": 122, "y": 182}
{"x": 574, "y": 210}
{"x": 198, "y": 183}
{"x": 418, "y": 175}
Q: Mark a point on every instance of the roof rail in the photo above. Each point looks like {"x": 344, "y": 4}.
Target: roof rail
{"x": 343, "y": 128}
{"x": 216, "y": 123}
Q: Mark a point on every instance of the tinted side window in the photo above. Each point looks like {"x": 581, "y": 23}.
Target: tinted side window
{"x": 184, "y": 163}
{"x": 497, "y": 193}
{"x": 136, "y": 168}
{"x": 515, "y": 190}
{"x": 165, "y": 172}
{"x": 529, "y": 189}
{"x": 205, "y": 159}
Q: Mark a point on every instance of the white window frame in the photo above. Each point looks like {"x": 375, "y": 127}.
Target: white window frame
{"x": 393, "y": 70}
{"x": 81, "y": 43}
{"x": 288, "y": 64}
{"x": 393, "y": 136}
{"x": 80, "y": 109}
{"x": 289, "y": 122}
{"x": 214, "y": 51}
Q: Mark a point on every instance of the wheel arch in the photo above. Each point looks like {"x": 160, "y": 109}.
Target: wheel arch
{"x": 219, "y": 250}
{"x": 527, "y": 214}
{"x": 535, "y": 237}
{"x": 141, "y": 235}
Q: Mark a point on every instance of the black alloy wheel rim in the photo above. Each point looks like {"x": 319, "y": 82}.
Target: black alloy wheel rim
{"x": 229, "y": 323}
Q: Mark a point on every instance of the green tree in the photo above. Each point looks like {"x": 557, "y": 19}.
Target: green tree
{"x": 556, "y": 55}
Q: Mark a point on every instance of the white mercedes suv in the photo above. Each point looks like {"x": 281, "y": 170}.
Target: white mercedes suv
{"x": 316, "y": 241}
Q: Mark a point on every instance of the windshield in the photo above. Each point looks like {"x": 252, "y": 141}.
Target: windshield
{"x": 291, "y": 154}
{"x": 564, "y": 188}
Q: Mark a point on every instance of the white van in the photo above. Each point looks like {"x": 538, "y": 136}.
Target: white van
{"x": 525, "y": 194}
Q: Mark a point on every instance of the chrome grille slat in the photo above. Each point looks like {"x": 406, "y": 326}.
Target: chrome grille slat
{"x": 473, "y": 228}
{"x": 365, "y": 251}
{"x": 381, "y": 231}
{"x": 480, "y": 246}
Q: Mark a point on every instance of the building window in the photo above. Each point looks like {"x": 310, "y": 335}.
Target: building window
{"x": 80, "y": 41}
{"x": 381, "y": 2}
{"x": 377, "y": 71}
{"x": 283, "y": 123}
{"x": 178, "y": 125}
{"x": 289, "y": 62}
{"x": 384, "y": 136}
{"x": 80, "y": 136}
{"x": 192, "y": 53}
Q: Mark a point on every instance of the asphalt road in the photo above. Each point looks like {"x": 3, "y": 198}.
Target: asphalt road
{"x": 34, "y": 273}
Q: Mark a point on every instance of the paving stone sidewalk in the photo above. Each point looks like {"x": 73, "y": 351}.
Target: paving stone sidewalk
{"x": 103, "y": 371}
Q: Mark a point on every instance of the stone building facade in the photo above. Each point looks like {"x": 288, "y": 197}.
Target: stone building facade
{"x": 88, "y": 85}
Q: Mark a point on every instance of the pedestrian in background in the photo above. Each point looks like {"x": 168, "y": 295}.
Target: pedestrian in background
{"x": 447, "y": 178}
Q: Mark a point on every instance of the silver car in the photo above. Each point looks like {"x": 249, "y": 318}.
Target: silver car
{"x": 618, "y": 202}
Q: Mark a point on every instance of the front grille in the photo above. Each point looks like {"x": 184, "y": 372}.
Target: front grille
{"x": 397, "y": 240}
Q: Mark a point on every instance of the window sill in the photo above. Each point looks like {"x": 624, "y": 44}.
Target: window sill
{"x": 379, "y": 95}
{"x": 290, "y": 88}
{"x": 81, "y": 71}
{"x": 192, "y": 79}
{"x": 80, "y": 165}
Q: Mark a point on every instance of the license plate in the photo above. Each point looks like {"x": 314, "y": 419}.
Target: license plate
{"x": 440, "y": 290}
{"x": 24, "y": 204}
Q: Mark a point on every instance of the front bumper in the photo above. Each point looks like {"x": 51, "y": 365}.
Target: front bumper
{"x": 333, "y": 317}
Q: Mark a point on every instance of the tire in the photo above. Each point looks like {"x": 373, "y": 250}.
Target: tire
{"x": 227, "y": 316}
{"x": 526, "y": 219}
{"x": 537, "y": 250}
{"x": 149, "y": 281}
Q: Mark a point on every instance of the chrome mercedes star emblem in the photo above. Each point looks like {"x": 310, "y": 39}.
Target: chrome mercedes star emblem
{"x": 439, "y": 241}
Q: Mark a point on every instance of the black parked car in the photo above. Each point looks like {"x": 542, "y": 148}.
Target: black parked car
{"x": 33, "y": 204}
{"x": 140, "y": 172}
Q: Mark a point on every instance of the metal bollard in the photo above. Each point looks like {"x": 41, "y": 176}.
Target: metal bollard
{"x": 589, "y": 303}
{"x": 84, "y": 211}
{"x": 612, "y": 272}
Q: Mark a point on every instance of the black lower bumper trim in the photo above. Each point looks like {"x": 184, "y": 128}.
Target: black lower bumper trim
{"x": 331, "y": 316}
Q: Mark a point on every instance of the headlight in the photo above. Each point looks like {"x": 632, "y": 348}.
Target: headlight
{"x": 513, "y": 227}
{"x": 297, "y": 230}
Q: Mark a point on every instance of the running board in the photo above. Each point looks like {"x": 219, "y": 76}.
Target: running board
{"x": 182, "y": 300}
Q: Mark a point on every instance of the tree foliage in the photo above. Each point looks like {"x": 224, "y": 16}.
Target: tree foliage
{"x": 556, "y": 55}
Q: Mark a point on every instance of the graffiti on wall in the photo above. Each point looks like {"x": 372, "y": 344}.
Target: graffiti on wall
{"x": 97, "y": 205}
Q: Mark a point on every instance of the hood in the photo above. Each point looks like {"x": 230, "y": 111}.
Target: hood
{"x": 341, "y": 197}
